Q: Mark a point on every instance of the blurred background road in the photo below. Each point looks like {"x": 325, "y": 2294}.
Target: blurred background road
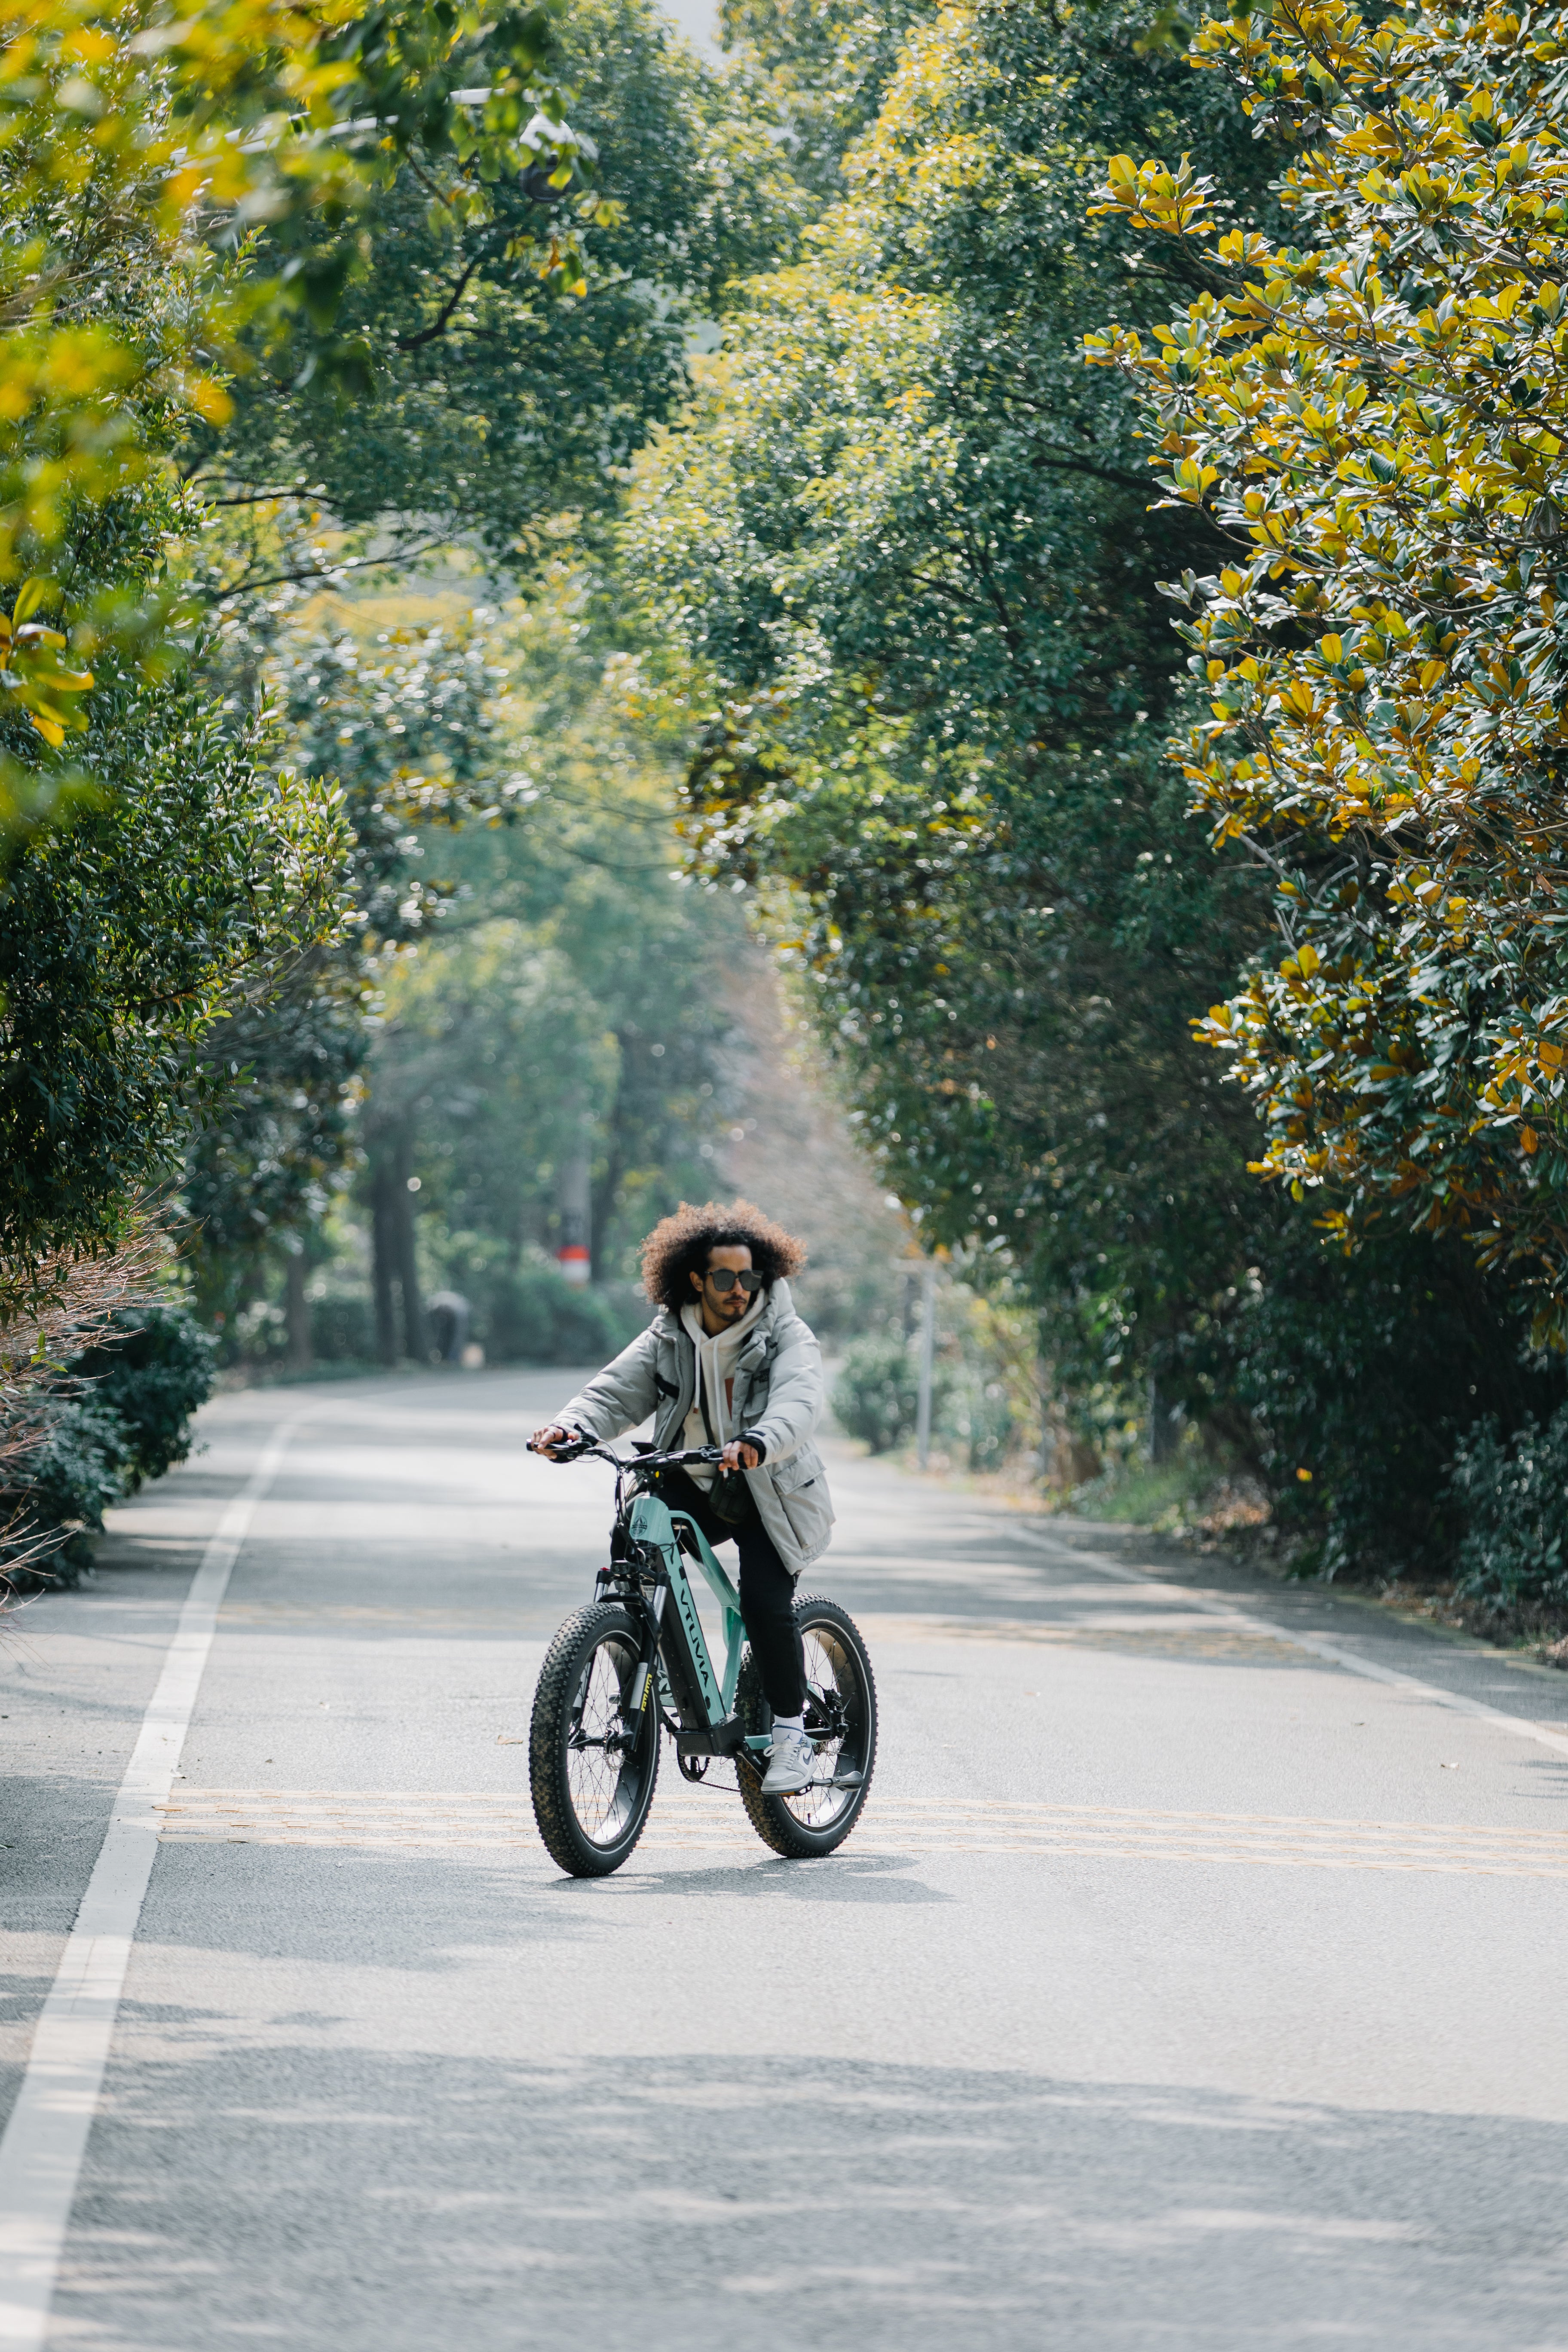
{"x": 1180, "y": 1986}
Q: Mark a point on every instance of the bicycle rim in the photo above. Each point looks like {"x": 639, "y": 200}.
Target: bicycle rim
{"x": 836, "y": 1696}
{"x": 605, "y": 1785}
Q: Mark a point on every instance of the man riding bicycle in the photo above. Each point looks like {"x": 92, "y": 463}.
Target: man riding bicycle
{"x": 727, "y": 1362}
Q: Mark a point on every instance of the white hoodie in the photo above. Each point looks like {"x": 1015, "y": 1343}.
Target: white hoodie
{"x": 715, "y": 1374}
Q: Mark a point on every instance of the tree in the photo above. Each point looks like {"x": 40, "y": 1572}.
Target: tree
{"x": 195, "y": 867}
{"x": 571, "y": 1002}
{"x": 904, "y": 550}
{"x": 1374, "y": 418}
{"x": 483, "y": 401}
{"x": 403, "y": 726}
{"x": 905, "y": 559}
{"x": 134, "y": 149}
{"x": 827, "y": 65}
{"x": 496, "y": 413}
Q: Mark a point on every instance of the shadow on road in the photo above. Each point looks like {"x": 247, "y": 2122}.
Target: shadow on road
{"x": 347, "y": 2198}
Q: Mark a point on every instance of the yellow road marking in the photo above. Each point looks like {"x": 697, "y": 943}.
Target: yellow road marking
{"x": 908, "y": 1828}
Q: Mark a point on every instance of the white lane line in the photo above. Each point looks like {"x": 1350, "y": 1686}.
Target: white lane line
{"x": 45, "y": 2139}
{"x": 1329, "y": 1651}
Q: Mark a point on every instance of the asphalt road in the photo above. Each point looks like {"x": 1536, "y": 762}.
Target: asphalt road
{"x": 1180, "y": 1988}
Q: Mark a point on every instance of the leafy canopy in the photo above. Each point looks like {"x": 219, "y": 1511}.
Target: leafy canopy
{"x": 400, "y": 721}
{"x": 904, "y": 547}
{"x": 1376, "y": 418}
{"x": 165, "y": 178}
{"x": 181, "y": 132}
{"x": 469, "y": 400}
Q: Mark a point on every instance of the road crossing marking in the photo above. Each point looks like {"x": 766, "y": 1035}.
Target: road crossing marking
{"x": 1157, "y": 1632}
{"x": 908, "y": 1828}
{"x": 418, "y": 1621}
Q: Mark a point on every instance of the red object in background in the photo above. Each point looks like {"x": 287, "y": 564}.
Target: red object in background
{"x": 572, "y": 1260}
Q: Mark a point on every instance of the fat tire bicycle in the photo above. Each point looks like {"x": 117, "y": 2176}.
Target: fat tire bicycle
{"x": 634, "y": 1664}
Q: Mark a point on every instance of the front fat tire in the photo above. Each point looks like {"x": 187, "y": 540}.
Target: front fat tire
{"x": 772, "y": 1818}
{"x": 571, "y": 1662}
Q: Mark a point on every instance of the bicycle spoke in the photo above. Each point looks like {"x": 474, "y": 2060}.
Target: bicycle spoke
{"x": 602, "y": 1781}
{"x": 830, "y": 1676}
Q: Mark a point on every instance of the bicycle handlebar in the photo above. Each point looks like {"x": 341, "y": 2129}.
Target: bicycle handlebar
{"x": 577, "y": 1449}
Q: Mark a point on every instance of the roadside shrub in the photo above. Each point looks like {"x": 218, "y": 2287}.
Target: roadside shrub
{"x": 532, "y": 1316}
{"x": 1513, "y": 1493}
{"x": 1351, "y": 1382}
{"x": 877, "y": 1392}
{"x": 343, "y": 1329}
{"x": 153, "y": 1378}
{"x": 117, "y": 1414}
{"x": 58, "y": 1492}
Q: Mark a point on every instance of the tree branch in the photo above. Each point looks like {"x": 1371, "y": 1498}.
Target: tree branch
{"x": 428, "y": 334}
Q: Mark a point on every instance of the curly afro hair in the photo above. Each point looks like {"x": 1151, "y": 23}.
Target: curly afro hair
{"x": 678, "y": 1248}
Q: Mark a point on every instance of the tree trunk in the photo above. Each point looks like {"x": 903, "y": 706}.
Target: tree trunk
{"x": 297, "y": 1311}
{"x": 382, "y": 1180}
{"x": 602, "y": 1200}
{"x": 1163, "y": 1430}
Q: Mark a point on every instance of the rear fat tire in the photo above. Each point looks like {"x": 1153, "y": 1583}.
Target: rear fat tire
{"x": 572, "y": 1664}
{"x": 776, "y": 1823}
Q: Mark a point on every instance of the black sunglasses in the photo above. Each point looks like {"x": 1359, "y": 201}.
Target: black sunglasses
{"x": 724, "y": 1278}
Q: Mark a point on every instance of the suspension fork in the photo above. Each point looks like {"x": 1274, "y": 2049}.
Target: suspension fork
{"x": 642, "y": 1681}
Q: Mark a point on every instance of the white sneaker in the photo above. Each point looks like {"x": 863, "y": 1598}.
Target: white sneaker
{"x": 790, "y": 1761}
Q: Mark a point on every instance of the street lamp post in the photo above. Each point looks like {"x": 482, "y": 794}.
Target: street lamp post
{"x": 928, "y": 1354}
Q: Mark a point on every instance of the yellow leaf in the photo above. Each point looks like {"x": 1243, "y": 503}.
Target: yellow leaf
{"x": 88, "y": 46}
{"x": 1308, "y": 960}
{"x": 1529, "y": 1138}
{"x": 210, "y": 401}
{"x": 31, "y": 595}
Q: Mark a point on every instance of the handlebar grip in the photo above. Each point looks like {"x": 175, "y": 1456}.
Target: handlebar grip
{"x": 567, "y": 1453}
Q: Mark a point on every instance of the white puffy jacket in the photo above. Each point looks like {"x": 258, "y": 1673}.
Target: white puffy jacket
{"x": 778, "y": 1392}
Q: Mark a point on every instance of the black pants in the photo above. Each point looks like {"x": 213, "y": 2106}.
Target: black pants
{"x": 767, "y": 1591}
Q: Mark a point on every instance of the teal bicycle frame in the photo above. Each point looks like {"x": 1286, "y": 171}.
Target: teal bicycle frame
{"x": 653, "y": 1522}
{"x": 681, "y": 1665}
